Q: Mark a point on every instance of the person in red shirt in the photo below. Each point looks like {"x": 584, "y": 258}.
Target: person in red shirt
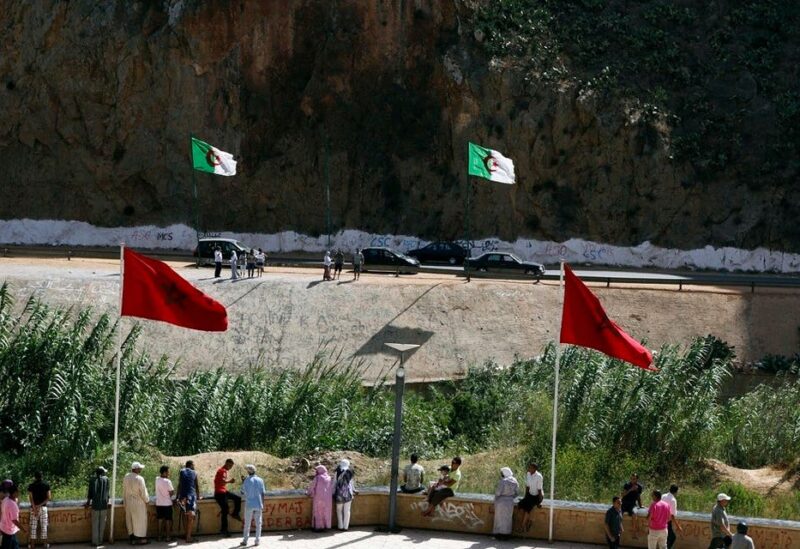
{"x": 221, "y": 495}
{"x": 659, "y": 515}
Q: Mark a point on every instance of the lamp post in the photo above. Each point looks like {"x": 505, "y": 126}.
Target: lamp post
{"x": 399, "y": 386}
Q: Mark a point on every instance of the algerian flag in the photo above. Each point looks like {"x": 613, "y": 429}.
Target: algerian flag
{"x": 212, "y": 160}
{"x": 490, "y": 165}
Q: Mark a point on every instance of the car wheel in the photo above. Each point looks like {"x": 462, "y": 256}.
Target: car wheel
{"x": 452, "y": 261}
{"x": 482, "y": 269}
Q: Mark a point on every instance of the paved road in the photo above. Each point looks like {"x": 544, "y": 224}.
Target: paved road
{"x": 369, "y": 538}
{"x": 593, "y": 274}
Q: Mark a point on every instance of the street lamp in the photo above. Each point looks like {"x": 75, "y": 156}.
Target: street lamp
{"x": 399, "y": 385}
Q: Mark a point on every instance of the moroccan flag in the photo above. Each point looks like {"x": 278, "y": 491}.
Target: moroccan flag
{"x": 490, "y": 165}
{"x": 151, "y": 289}
{"x": 212, "y": 160}
{"x": 585, "y": 323}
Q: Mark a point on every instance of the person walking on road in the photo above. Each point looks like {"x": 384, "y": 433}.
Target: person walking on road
{"x": 338, "y": 264}
{"x": 97, "y": 498}
{"x": 217, "y": 261}
{"x": 358, "y": 262}
{"x": 504, "y": 494}
{"x": 222, "y": 495}
{"x": 719, "y": 522}
{"x": 659, "y": 513}
{"x": 673, "y": 504}
{"x": 613, "y": 523}
{"x": 253, "y": 490}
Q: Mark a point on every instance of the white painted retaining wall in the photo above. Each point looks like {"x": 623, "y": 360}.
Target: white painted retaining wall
{"x": 78, "y": 233}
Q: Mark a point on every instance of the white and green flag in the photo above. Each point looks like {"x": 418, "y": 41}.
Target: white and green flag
{"x": 490, "y": 165}
{"x": 212, "y": 160}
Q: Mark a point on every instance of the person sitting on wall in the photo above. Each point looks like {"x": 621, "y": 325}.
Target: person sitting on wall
{"x": 446, "y": 486}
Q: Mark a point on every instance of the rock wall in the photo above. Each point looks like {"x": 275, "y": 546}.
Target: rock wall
{"x": 375, "y": 101}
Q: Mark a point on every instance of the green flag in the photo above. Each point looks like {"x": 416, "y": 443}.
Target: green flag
{"x": 490, "y": 164}
{"x": 212, "y": 160}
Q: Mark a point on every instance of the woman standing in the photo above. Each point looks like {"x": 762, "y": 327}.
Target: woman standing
{"x": 344, "y": 492}
{"x": 321, "y": 491}
{"x": 504, "y": 494}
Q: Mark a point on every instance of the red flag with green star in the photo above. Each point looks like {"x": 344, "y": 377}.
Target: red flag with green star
{"x": 151, "y": 289}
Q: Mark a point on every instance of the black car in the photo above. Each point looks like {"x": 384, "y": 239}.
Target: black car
{"x": 384, "y": 259}
{"x": 444, "y": 252}
{"x": 505, "y": 263}
{"x": 206, "y": 246}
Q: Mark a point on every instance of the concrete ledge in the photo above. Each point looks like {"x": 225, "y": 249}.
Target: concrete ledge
{"x": 469, "y": 513}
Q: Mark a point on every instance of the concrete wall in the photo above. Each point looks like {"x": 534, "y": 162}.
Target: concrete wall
{"x": 472, "y": 513}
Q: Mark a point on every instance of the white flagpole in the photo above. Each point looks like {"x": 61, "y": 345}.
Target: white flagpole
{"x": 555, "y": 408}
{"x": 116, "y": 397}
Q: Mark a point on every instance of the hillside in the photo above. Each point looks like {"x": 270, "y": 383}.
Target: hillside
{"x": 668, "y": 121}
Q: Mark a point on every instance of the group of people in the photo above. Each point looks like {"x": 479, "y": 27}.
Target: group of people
{"x": 253, "y": 261}
{"x": 332, "y": 266}
{"x": 39, "y": 496}
{"x": 662, "y": 519}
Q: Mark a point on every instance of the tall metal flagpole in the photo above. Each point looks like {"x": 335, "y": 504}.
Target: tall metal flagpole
{"x": 196, "y": 202}
{"x": 116, "y": 397}
{"x": 555, "y": 409}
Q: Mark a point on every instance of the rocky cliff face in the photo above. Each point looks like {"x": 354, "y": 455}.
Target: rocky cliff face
{"x": 379, "y": 99}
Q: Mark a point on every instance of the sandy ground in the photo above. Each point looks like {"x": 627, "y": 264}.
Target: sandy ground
{"x": 766, "y": 480}
{"x": 288, "y": 315}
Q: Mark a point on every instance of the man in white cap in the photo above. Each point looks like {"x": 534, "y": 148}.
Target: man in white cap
{"x": 719, "y": 522}
{"x": 135, "y": 499}
{"x": 253, "y": 490}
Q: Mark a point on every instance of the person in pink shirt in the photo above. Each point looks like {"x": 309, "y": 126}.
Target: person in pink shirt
{"x": 9, "y": 523}
{"x": 659, "y": 515}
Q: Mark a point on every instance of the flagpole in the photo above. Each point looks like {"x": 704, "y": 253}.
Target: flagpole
{"x": 195, "y": 201}
{"x": 116, "y": 396}
{"x": 555, "y": 408}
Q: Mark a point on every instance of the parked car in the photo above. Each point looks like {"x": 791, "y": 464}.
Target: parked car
{"x": 384, "y": 259}
{"x": 505, "y": 263}
{"x": 444, "y": 252}
{"x": 206, "y": 250}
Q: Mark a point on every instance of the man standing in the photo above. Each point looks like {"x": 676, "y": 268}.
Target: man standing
{"x": 38, "y": 495}
{"x": 326, "y": 263}
{"x": 164, "y": 493}
{"x": 673, "y": 505}
{"x": 613, "y": 523}
{"x": 221, "y": 495}
{"x": 9, "y": 519}
{"x": 188, "y": 494}
{"x": 234, "y": 265}
{"x": 97, "y": 498}
{"x": 740, "y": 539}
{"x": 217, "y": 261}
{"x": 358, "y": 261}
{"x": 135, "y": 498}
{"x": 719, "y": 522}
{"x": 338, "y": 264}
{"x": 436, "y": 497}
{"x": 253, "y": 490}
{"x": 413, "y": 477}
{"x": 659, "y": 514}
{"x": 632, "y": 495}
{"x": 534, "y": 484}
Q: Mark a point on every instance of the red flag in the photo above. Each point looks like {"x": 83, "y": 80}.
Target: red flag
{"x": 151, "y": 289}
{"x": 585, "y": 323}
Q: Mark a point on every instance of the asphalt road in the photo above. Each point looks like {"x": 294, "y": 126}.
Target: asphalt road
{"x": 589, "y": 274}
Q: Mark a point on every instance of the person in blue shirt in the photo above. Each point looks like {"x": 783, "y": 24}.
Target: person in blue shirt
{"x": 188, "y": 494}
{"x": 253, "y": 492}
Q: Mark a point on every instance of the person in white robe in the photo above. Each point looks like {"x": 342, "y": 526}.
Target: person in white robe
{"x": 135, "y": 498}
{"x": 504, "y": 494}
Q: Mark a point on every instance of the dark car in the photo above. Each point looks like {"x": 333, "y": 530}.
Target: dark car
{"x": 444, "y": 252}
{"x": 206, "y": 246}
{"x": 384, "y": 259}
{"x": 505, "y": 263}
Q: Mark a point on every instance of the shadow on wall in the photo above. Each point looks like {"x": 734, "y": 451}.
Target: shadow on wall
{"x": 394, "y": 334}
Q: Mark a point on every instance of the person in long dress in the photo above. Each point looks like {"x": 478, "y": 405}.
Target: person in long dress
{"x": 135, "y": 498}
{"x": 321, "y": 492}
{"x": 504, "y": 494}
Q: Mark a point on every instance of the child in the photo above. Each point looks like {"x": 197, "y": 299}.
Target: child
{"x": 164, "y": 493}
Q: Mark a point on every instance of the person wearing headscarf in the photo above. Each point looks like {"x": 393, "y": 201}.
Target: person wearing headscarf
{"x": 343, "y": 493}
{"x": 504, "y": 494}
{"x": 135, "y": 498}
{"x": 321, "y": 492}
